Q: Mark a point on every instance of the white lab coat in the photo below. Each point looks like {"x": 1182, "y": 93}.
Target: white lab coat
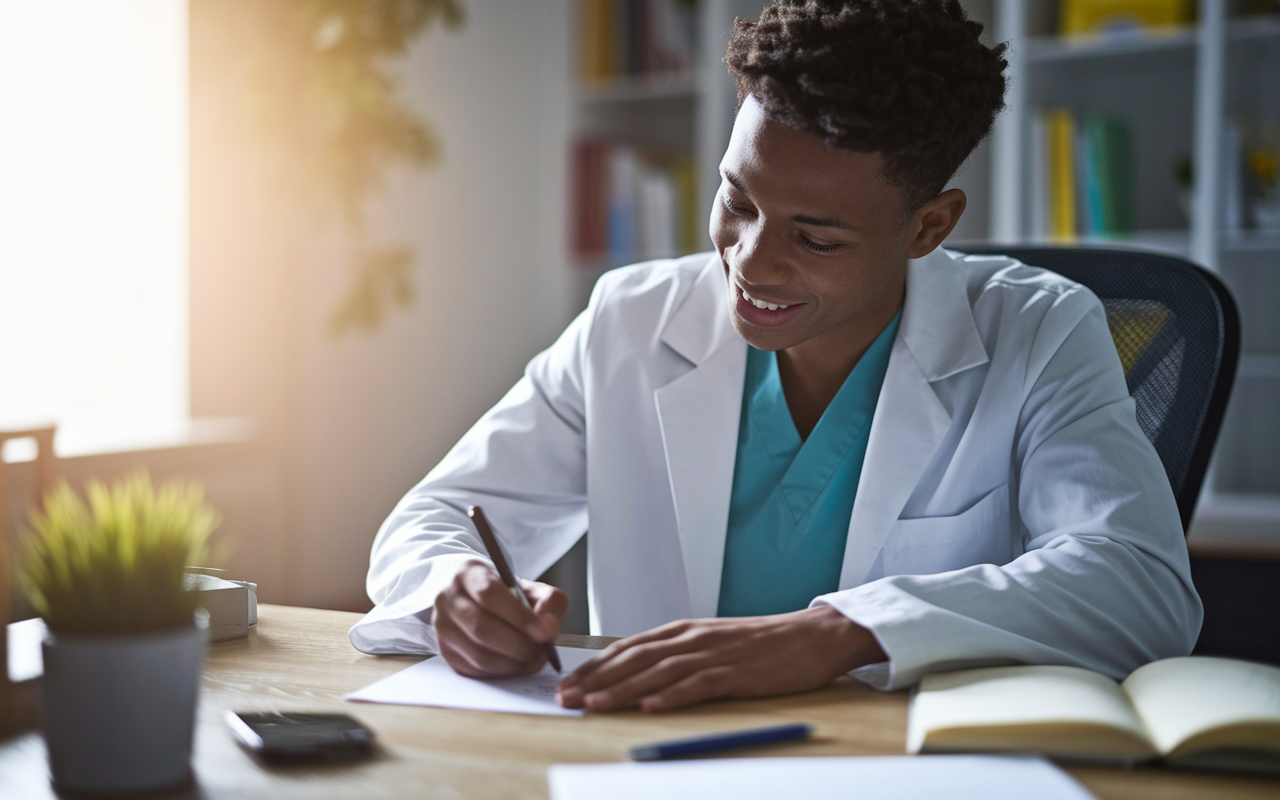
{"x": 1009, "y": 508}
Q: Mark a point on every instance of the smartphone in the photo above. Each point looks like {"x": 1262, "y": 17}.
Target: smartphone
{"x": 301, "y": 737}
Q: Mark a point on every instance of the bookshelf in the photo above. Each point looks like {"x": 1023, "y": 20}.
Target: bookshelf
{"x": 674, "y": 113}
{"x": 1195, "y": 90}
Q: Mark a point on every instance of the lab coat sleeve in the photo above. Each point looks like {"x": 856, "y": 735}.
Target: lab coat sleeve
{"x": 523, "y": 462}
{"x": 1104, "y": 582}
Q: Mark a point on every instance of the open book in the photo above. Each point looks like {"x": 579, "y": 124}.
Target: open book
{"x": 1214, "y": 713}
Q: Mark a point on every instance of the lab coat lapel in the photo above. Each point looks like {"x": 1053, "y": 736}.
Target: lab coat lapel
{"x": 937, "y": 338}
{"x": 699, "y": 413}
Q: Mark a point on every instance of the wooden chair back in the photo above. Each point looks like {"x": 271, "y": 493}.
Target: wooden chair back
{"x": 18, "y": 700}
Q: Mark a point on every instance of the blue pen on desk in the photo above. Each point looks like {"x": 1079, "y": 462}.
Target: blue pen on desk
{"x": 719, "y": 741}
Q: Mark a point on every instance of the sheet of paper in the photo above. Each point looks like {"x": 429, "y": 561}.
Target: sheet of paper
{"x": 26, "y": 661}
{"x": 869, "y": 778}
{"x": 434, "y": 683}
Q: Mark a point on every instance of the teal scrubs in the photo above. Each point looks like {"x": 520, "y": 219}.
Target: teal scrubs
{"x": 792, "y": 498}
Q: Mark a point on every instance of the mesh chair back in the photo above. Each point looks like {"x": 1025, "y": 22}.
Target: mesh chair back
{"x": 1177, "y": 332}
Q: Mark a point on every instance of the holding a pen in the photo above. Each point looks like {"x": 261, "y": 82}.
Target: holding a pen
{"x": 487, "y": 631}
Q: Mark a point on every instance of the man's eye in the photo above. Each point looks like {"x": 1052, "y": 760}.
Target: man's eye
{"x": 818, "y": 248}
{"x": 732, "y": 207}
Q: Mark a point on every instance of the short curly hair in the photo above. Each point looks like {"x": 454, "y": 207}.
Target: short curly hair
{"x": 908, "y": 79}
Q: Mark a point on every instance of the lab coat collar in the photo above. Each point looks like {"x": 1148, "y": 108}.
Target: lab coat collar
{"x": 937, "y": 320}
{"x": 698, "y": 413}
{"x": 701, "y": 325}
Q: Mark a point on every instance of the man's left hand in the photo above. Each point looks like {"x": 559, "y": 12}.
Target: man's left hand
{"x": 687, "y": 662}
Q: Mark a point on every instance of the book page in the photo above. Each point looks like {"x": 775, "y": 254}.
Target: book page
{"x": 1061, "y": 710}
{"x": 1182, "y": 698}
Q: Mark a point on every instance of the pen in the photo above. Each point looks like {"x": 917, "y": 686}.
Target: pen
{"x": 504, "y": 572}
{"x": 719, "y": 741}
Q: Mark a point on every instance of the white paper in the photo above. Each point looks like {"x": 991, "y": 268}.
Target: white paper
{"x": 434, "y": 683}
{"x": 26, "y": 661}
{"x": 866, "y": 778}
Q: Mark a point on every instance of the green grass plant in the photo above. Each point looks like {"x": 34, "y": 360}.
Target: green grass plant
{"x": 115, "y": 565}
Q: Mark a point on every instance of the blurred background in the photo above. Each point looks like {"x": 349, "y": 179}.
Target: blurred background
{"x": 295, "y": 249}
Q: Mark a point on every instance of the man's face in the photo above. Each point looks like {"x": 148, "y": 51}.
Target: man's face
{"x": 814, "y": 229}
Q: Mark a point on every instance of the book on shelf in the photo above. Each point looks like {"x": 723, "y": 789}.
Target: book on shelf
{"x": 1083, "y": 176}
{"x": 1082, "y": 17}
{"x": 631, "y": 205}
{"x": 635, "y": 38}
{"x": 1196, "y": 711}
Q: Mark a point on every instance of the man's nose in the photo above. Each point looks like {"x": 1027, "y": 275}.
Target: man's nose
{"x": 759, "y": 261}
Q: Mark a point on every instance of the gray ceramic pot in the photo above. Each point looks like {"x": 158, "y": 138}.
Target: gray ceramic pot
{"x": 119, "y": 711}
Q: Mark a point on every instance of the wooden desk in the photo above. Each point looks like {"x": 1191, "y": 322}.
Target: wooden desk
{"x": 299, "y": 659}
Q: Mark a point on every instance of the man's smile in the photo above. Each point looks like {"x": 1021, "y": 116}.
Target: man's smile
{"x": 764, "y": 313}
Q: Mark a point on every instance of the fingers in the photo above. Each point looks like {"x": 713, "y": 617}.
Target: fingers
{"x": 637, "y": 688}
{"x": 487, "y": 591}
{"x": 706, "y": 684}
{"x": 475, "y": 660}
{"x": 617, "y": 649}
{"x": 482, "y": 630}
{"x": 696, "y": 660}
{"x": 630, "y": 669}
{"x": 549, "y": 605}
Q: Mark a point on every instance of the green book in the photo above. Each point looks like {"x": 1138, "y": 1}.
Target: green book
{"x": 1122, "y": 166}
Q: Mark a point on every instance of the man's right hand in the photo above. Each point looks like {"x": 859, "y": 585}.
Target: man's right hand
{"x": 483, "y": 631}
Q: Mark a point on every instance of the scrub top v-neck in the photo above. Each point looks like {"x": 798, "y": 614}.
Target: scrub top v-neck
{"x": 792, "y": 498}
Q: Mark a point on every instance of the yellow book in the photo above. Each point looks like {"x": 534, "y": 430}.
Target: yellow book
{"x": 595, "y": 33}
{"x": 1196, "y": 711}
{"x": 1098, "y": 16}
{"x": 1061, "y": 130}
{"x": 693, "y": 221}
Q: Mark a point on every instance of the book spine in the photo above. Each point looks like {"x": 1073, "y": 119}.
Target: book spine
{"x": 622, "y": 189}
{"x": 1123, "y": 161}
{"x": 1086, "y": 186}
{"x": 590, "y": 200}
{"x": 1062, "y": 175}
{"x": 1101, "y": 175}
{"x": 656, "y": 221}
{"x": 589, "y": 67}
{"x": 647, "y": 62}
{"x": 606, "y": 40}
{"x": 692, "y": 220}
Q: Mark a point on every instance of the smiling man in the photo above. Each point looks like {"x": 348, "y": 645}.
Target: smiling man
{"x": 830, "y": 447}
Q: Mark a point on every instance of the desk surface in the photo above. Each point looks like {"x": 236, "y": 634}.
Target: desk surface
{"x": 299, "y": 659}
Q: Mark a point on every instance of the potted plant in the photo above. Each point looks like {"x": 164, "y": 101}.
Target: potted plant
{"x": 124, "y": 648}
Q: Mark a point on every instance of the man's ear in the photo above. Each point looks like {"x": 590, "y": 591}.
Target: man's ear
{"x": 933, "y": 221}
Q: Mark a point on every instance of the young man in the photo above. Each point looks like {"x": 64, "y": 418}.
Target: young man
{"x": 828, "y": 447}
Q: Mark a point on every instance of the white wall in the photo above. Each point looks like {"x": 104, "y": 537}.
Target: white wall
{"x": 493, "y": 279}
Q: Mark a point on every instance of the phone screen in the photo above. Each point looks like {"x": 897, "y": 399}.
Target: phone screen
{"x": 295, "y": 735}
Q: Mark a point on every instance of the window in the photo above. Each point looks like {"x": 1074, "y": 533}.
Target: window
{"x": 93, "y": 221}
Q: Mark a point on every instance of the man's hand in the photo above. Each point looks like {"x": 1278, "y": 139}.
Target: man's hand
{"x": 690, "y": 661}
{"x": 483, "y": 631}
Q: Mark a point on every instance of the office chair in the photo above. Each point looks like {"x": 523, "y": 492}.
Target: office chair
{"x": 1178, "y": 335}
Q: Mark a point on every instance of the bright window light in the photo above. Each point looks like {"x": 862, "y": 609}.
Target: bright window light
{"x": 93, "y": 221}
